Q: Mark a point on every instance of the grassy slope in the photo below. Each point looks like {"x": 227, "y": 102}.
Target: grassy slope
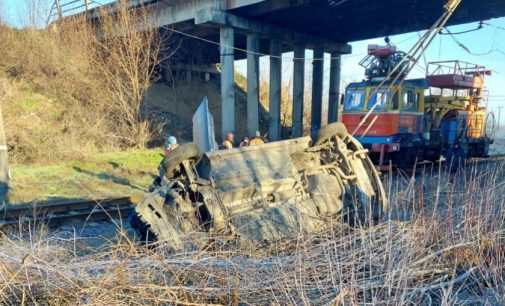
{"x": 53, "y": 158}
{"x": 99, "y": 176}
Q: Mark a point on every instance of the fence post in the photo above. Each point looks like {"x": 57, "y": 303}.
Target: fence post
{"x": 4, "y": 165}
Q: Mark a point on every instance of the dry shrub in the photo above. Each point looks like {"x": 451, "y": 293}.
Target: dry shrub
{"x": 50, "y": 70}
{"x": 93, "y": 83}
{"x": 287, "y": 106}
{"x": 128, "y": 52}
{"x": 5, "y": 90}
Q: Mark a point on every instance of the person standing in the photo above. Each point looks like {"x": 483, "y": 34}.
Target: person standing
{"x": 170, "y": 145}
{"x": 228, "y": 141}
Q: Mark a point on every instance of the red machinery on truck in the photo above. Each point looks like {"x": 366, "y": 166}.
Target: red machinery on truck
{"x": 402, "y": 121}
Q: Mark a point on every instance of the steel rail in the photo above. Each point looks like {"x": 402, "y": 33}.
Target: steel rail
{"x": 491, "y": 158}
{"x": 63, "y": 211}
{"x": 470, "y": 161}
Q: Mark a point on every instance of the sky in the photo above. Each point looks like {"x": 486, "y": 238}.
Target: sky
{"x": 484, "y": 47}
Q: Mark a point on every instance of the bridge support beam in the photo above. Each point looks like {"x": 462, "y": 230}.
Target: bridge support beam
{"x": 298, "y": 90}
{"x": 334, "y": 97}
{"x": 253, "y": 48}
{"x": 227, "y": 81}
{"x": 274, "y": 131}
{"x": 317, "y": 91}
{"x": 266, "y": 30}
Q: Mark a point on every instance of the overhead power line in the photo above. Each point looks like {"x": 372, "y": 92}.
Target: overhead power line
{"x": 495, "y": 26}
{"x": 479, "y": 27}
{"x": 469, "y": 51}
{"x": 335, "y": 3}
{"x": 407, "y": 39}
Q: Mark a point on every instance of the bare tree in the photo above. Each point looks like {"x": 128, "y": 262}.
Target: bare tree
{"x": 35, "y": 12}
{"x": 128, "y": 52}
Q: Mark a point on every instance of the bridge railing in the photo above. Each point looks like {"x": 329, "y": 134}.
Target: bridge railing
{"x": 62, "y": 8}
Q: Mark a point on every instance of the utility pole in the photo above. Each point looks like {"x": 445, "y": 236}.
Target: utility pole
{"x": 86, "y": 4}
{"x": 4, "y": 165}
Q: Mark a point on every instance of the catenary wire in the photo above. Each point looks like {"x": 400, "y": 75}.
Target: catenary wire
{"x": 467, "y": 49}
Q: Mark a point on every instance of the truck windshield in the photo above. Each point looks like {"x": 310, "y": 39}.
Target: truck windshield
{"x": 354, "y": 100}
{"x": 410, "y": 100}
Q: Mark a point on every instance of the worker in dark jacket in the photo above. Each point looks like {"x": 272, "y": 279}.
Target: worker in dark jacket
{"x": 169, "y": 146}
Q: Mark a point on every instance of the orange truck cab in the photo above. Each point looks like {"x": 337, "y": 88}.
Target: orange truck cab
{"x": 396, "y": 124}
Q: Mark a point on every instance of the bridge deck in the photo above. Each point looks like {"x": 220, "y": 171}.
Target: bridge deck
{"x": 355, "y": 20}
{"x": 337, "y": 20}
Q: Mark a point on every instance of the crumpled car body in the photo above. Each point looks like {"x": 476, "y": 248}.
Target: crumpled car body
{"x": 265, "y": 193}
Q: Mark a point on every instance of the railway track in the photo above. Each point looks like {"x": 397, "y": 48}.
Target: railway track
{"x": 95, "y": 210}
{"x": 474, "y": 160}
{"x": 65, "y": 211}
{"x": 496, "y": 157}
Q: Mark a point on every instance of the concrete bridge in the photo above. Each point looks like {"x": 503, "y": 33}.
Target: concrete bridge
{"x": 276, "y": 26}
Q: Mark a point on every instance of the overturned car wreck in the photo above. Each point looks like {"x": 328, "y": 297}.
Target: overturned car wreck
{"x": 263, "y": 193}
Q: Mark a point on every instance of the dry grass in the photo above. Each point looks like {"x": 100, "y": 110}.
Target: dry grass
{"x": 449, "y": 250}
{"x": 103, "y": 175}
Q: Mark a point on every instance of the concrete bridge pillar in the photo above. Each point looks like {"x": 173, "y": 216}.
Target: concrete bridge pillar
{"x": 274, "y": 131}
{"x": 334, "y": 99}
{"x": 253, "y": 48}
{"x": 227, "y": 80}
{"x": 317, "y": 90}
{"x": 298, "y": 90}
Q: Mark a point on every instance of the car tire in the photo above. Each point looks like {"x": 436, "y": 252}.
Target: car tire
{"x": 171, "y": 163}
{"x": 329, "y": 131}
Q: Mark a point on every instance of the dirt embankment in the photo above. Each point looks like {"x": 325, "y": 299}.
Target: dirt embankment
{"x": 174, "y": 106}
